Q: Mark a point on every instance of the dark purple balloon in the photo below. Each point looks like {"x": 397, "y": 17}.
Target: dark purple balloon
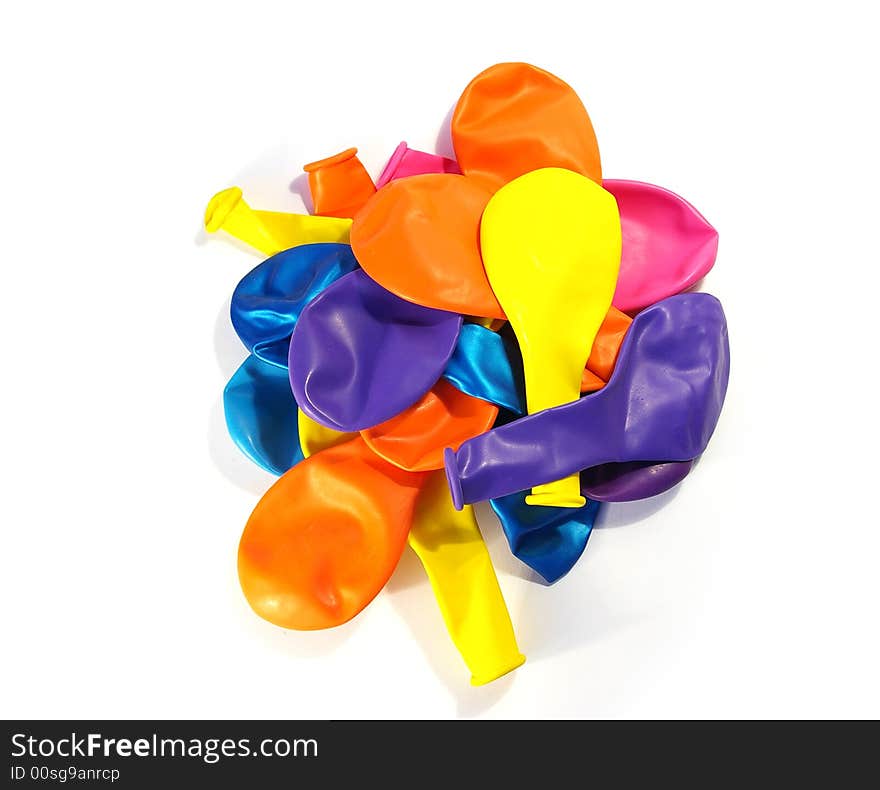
{"x": 360, "y": 355}
{"x": 632, "y": 480}
{"x": 662, "y": 401}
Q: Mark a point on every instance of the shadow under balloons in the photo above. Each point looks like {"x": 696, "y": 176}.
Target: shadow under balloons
{"x": 300, "y": 187}
{"x": 443, "y": 143}
{"x": 622, "y": 514}
{"x": 411, "y": 597}
{"x": 230, "y": 461}
{"x": 296, "y": 644}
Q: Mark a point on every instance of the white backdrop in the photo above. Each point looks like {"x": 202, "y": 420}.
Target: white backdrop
{"x": 749, "y": 591}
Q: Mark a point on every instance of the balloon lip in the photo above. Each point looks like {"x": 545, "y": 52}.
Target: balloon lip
{"x": 551, "y": 499}
{"x": 220, "y": 206}
{"x": 503, "y": 669}
{"x": 329, "y": 161}
{"x": 393, "y": 163}
{"x": 454, "y": 482}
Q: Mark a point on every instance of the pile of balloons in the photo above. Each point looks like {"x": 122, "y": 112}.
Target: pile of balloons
{"x": 508, "y": 326}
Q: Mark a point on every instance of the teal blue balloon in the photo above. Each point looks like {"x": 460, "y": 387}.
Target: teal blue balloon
{"x": 550, "y": 540}
{"x": 261, "y": 415}
{"x": 481, "y": 366}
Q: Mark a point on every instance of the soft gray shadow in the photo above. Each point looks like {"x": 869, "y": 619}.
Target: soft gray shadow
{"x": 443, "y": 144}
{"x": 622, "y": 514}
{"x": 412, "y": 598}
{"x": 297, "y": 644}
{"x": 233, "y": 464}
{"x": 300, "y": 186}
{"x": 229, "y": 350}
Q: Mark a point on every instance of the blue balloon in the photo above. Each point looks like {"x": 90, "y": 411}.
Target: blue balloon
{"x": 261, "y": 415}
{"x": 480, "y": 366}
{"x": 267, "y": 303}
{"x": 550, "y": 540}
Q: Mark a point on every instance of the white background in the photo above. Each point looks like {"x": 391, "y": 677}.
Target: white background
{"x": 750, "y": 591}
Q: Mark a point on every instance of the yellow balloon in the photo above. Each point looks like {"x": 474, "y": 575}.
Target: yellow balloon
{"x": 451, "y": 548}
{"x": 270, "y": 231}
{"x": 314, "y": 437}
{"x": 550, "y": 241}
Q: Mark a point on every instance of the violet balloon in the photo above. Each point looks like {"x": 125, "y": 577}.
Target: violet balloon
{"x": 632, "y": 480}
{"x": 662, "y": 401}
{"x": 360, "y": 355}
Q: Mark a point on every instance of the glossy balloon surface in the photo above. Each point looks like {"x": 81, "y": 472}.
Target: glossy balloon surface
{"x": 326, "y": 537}
{"x": 359, "y": 355}
{"x": 663, "y": 401}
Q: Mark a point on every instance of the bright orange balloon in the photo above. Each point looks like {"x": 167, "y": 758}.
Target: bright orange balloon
{"x": 419, "y": 238}
{"x": 340, "y": 185}
{"x": 326, "y": 537}
{"x": 444, "y": 417}
{"x": 514, "y": 118}
{"x": 606, "y": 346}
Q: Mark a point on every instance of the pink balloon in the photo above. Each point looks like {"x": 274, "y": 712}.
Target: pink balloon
{"x": 667, "y": 244}
{"x": 407, "y": 162}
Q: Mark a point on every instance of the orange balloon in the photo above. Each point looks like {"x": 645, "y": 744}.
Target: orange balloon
{"x": 514, "y": 118}
{"x": 326, "y": 537}
{"x": 444, "y": 417}
{"x": 339, "y": 184}
{"x": 418, "y": 237}
{"x": 606, "y": 347}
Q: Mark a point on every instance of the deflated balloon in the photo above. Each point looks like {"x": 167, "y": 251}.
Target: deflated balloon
{"x": 267, "y": 303}
{"x": 406, "y": 162}
{"x": 667, "y": 244}
{"x": 550, "y": 540}
{"x": 443, "y": 417}
{"x": 326, "y": 537}
{"x": 514, "y": 118}
{"x": 360, "y": 355}
{"x": 550, "y": 242}
{"x": 632, "y": 480}
{"x": 314, "y": 437}
{"x": 270, "y": 232}
{"x": 663, "y": 401}
{"x": 451, "y": 548}
{"x": 481, "y": 366}
{"x": 339, "y": 184}
{"x": 261, "y": 415}
{"x": 419, "y": 238}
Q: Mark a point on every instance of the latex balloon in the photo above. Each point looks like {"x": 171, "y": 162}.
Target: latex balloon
{"x": 314, "y": 437}
{"x": 606, "y": 346}
{"x": 551, "y": 247}
{"x": 417, "y": 237}
{"x": 481, "y": 366}
{"x": 550, "y": 540}
{"x": 451, "y": 548}
{"x": 663, "y": 401}
{"x": 443, "y": 417}
{"x": 627, "y": 482}
{"x": 514, "y": 118}
{"x": 667, "y": 244}
{"x": 359, "y": 355}
{"x": 405, "y": 162}
{"x": 270, "y": 232}
{"x": 340, "y": 185}
{"x": 261, "y": 415}
{"x": 326, "y": 537}
{"x": 267, "y": 303}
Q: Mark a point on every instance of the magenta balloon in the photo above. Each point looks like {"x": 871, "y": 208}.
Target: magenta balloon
{"x": 667, "y": 244}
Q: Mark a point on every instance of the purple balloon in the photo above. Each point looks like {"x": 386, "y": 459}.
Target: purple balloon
{"x": 632, "y": 480}
{"x": 360, "y": 355}
{"x": 662, "y": 401}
